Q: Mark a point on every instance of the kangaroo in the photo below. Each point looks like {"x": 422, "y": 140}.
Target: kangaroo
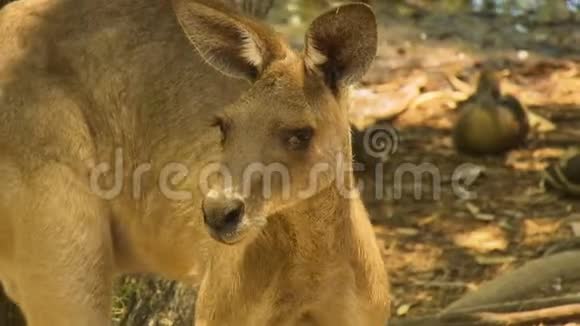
{"x": 185, "y": 139}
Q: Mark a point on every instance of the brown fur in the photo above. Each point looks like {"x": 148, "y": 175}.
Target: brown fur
{"x": 84, "y": 82}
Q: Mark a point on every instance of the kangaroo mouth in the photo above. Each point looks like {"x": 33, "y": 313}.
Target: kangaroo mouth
{"x": 246, "y": 230}
{"x": 228, "y": 238}
{"x": 231, "y": 235}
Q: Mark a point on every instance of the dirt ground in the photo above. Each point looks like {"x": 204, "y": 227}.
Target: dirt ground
{"x": 436, "y": 249}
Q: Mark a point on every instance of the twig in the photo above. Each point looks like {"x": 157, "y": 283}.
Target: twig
{"x": 563, "y": 312}
{"x": 439, "y": 284}
{"x": 535, "y": 316}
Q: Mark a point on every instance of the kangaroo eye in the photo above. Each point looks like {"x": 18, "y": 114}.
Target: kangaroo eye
{"x": 299, "y": 139}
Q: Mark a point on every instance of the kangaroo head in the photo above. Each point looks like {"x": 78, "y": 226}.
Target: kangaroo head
{"x": 284, "y": 139}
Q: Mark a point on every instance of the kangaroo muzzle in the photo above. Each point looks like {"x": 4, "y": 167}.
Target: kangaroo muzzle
{"x": 224, "y": 215}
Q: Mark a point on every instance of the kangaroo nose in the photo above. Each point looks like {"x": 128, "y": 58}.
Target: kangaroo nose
{"x": 223, "y": 215}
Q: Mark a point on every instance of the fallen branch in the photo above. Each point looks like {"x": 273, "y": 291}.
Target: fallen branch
{"x": 563, "y": 312}
{"x": 536, "y": 316}
{"x": 532, "y": 304}
{"x": 522, "y": 281}
{"x": 460, "y": 320}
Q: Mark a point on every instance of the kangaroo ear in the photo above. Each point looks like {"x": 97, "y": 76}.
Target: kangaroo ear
{"x": 342, "y": 43}
{"x": 228, "y": 41}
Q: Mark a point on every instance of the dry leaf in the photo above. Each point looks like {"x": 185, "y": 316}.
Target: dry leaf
{"x": 483, "y": 240}
{"x": 575, "y": 228}
{"x": 574, "y": 222}
{"x": 539, "y": 231}
{"x": 494, "y": 260}
{"x": 407, "y": 231}
{"x": 539, "y": 123}
{"x": 484, "y": 217}
{"x": 428, "y": 220}
{"x": 403, "y": 309}
{"x": 472, "y": 208}
{"x": 385, "y": 101}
